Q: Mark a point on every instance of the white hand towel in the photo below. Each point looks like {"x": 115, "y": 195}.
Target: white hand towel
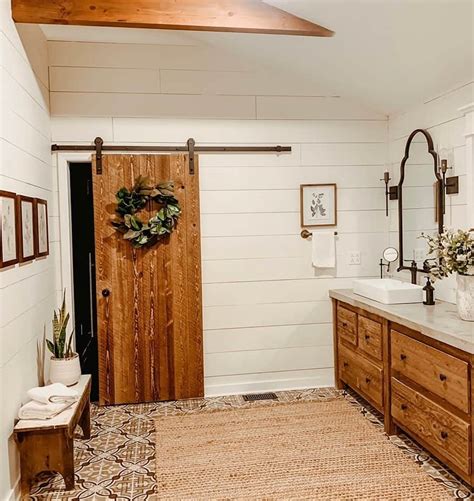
{"x": 53, "y": 393}
{"x": 324, "y": 249}
{"x": 37, "y": 410}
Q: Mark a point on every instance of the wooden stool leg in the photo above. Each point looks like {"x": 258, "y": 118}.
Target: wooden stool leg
{"x": 31, "y": 463}
{"x": 50, "y": 450}
{"x": 66, "y": 466}
{"x": 25, "y": 482}
{"x": 85, "y": 421}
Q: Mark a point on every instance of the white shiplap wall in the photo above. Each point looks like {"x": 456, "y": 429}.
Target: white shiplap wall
{"x": 27, "y": 292}
{"x": 446, "y": 124}
{"x": 267, "y": 316}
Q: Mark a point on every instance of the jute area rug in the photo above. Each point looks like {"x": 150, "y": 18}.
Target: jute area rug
{"x": 310, "y": 450}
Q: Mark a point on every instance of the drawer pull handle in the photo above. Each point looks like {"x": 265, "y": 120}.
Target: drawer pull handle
{"x": 443, "y": 377}
{"x": 404, "y": 407}
{"x": 367, "y": 380}
{"x": 346, "y": 364}
{"x": 403, "y": 357}
{"x": 344, "y": 324}
{"x": 444, "y": 435}
{"x": 367, "y": 337}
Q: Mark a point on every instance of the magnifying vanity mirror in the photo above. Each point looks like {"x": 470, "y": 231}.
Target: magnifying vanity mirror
{"x": 420, "y": 202}
{"x": 390, "y": 254}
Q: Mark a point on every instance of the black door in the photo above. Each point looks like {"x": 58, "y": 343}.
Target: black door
{"x": 83, "y": 253}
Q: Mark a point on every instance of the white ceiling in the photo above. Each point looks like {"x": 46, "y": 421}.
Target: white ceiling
{"x": 387, "y": 54}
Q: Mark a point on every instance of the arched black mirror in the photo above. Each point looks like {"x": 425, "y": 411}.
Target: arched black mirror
{"x": 420, "y": 201}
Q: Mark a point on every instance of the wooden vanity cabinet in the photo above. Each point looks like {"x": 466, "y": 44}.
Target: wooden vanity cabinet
{"x": 431, "y": 396}
{"x": 422, "y": 386}
{"x": 359, "y": 359}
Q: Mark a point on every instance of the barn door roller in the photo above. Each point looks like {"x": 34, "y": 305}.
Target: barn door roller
{"x": 98, "y": 141}
{"x": 191, "y": 144}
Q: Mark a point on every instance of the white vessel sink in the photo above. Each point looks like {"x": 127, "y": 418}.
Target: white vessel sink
{"x": 388, "y": 291}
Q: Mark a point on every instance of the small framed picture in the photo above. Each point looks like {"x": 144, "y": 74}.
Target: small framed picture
{"x": 41, "y": 236}
{"x": 26, "y": 225}
{"x": 9, "y": 253}
{"x": 318, "y": 205}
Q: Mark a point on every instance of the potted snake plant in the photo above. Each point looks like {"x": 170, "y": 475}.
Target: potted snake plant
{"x": 65, "y": 366}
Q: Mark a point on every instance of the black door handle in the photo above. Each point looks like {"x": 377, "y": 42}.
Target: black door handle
{"x": 105, "y": 292}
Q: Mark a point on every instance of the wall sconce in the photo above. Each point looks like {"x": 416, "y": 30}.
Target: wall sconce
{"x": 450, "y": 184}
{"x": 386, "y": 179}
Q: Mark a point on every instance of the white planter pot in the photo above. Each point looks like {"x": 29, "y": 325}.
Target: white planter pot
{"x": 465, "y": 297}
{"x": 65, "y": 370}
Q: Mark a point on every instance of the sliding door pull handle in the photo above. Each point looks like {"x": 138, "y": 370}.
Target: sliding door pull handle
{"x": 91, "y": 294}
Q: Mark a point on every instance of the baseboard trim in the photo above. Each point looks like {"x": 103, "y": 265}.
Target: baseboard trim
{"x": 262, "y": 386}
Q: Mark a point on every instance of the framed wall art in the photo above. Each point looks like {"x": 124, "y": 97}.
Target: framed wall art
{"x": 41, "y": 236}
{"x": 26, "y": 228}
{"x": 318, "y": 205}
{"x": 9, "y": 253}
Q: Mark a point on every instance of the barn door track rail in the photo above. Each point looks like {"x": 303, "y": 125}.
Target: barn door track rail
{"x": 191, "y": 148}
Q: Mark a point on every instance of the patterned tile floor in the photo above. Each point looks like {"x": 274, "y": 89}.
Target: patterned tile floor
{"x": 118, "y": 462}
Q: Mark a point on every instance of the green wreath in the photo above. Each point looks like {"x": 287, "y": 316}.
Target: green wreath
{"x": 129, "y": 202}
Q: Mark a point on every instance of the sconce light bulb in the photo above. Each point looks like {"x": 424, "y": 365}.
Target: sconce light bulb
{"x": 444, "y": 165}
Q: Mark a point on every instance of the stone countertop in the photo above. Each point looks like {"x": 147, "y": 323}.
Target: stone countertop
{"x": 440, "y": 322}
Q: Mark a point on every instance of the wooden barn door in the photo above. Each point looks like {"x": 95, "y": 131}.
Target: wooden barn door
{"x": 149, "y": 302}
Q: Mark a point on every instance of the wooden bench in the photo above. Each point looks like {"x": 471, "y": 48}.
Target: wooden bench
{"x": 48, "y": 445}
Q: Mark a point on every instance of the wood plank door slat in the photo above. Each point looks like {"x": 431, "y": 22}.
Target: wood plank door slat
{"x": 150, "y": 324}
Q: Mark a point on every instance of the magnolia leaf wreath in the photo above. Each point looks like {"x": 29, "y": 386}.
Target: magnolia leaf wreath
{"x": 130, "y": 202}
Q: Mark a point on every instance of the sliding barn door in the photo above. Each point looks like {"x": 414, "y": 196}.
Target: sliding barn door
{"x": 149, "y": 302}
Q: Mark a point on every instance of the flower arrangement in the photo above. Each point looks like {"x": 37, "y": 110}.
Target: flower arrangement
{"x": 453, "y": 251}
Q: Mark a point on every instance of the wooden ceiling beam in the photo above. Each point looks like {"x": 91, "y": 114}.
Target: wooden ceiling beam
{"x": 238, "y": 16}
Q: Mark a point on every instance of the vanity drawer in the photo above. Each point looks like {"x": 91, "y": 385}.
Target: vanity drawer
{"x": 347, "y": 324}
{"x": 370, "y": 337}
{"x": 442, "y": 374}
{"x": 441, "y": 430}
{"x": 361, "y": 375}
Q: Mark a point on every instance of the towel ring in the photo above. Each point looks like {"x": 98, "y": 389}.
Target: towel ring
{"x": 306, "y": 234}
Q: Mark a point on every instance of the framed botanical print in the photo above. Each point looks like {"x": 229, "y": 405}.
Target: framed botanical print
{"x": 318, "y": 205}
{"x": 9, "y": 252}
{"x": 41, "y": 237}
{"x": 26, "y": 228}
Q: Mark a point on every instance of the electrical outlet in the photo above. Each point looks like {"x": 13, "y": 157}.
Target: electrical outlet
{"x": 354, "y": 257}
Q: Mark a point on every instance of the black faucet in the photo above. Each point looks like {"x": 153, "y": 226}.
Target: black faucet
{"x": 426, "y": 264}
{"x": 413, "y": 271}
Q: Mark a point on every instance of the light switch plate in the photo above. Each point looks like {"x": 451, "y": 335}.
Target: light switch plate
{"x": 354, "y": 257}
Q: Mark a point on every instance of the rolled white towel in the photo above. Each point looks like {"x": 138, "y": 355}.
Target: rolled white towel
{"x": 37, "y": 410}
{"x": 53, "y": 393}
